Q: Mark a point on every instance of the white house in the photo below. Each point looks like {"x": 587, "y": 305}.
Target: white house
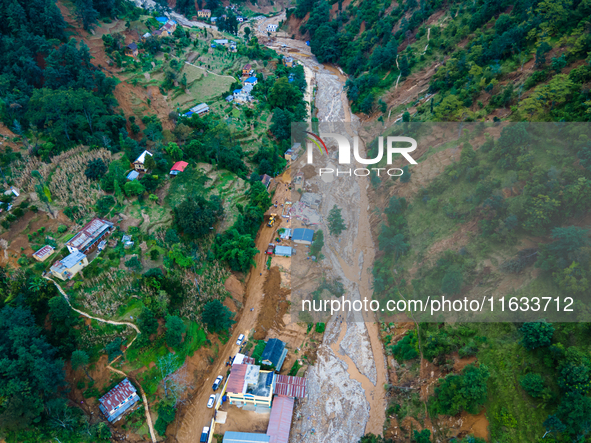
{"x": 271, "y": 28}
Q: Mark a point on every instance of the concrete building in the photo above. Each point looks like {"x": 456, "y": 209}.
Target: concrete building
{"x": 69, "y": 266}
{"x": 87, "y": 239}
{"x": 204, "y": 13}
{"x": 118, "y": 400}
{"x": 293, "y": 153}
{"x": 272, "y": 28}
{"x": 249, "y": 387}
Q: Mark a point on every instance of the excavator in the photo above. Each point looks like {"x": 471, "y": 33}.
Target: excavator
{"x": 271, "y": 220}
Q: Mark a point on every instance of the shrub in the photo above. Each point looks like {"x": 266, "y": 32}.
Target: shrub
{"x": 320, "y": 327}
{"x": 154, "y": 254}
{"x": 536, "y": 335}
{"x": 533, "y": 384}
{"x": 407, "y": 348}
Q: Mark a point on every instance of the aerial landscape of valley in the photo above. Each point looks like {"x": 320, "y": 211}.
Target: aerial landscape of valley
{"x": 291, "y": 221}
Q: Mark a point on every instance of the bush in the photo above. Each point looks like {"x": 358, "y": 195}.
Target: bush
{"x": 154, "y": 254}
{"x": 533, "y": 384}
{"x": 536, "y": 335}
{"x": 407, "y": 348}
{"x": 61, "y": 229}
{"x": 320, "y": 327}
{"x": 464, "y": 392}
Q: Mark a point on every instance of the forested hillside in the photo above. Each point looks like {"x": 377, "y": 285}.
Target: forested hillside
{"x": 479, "y": 50}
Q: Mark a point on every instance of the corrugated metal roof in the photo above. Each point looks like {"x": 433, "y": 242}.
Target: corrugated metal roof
{"x": 142, "y": 157}
{"x": 273, "y": 351}
{"x": 290, "y": 386}
{"x": 250, "y": 80}
{"x": 245, "y": 437}
{"x": 118, "y": 399}
{"x": 94, "y": 229}
{"x": 280, "y": 420}
{"x": 236, "y": 384}
{"x": 179, "y": 166}
{"x": 44, "y": 252}
{"x": 284, "y": 251}
{"x": 302, "y": 234}
{"x": 133, "y": 175}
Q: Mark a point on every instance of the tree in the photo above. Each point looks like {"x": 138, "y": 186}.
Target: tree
{"x": 423, "y": 436}
{"x": 95, "y": 169}
{"x": 317, "y": 245}
{"x": 452, "y": 280}
{"x": 464, "y": 392}
{"x": 238, "y": 250}
{"x": 533, "y": 384}
{"x": 336, "y": 225}
{"x": 104, "y": 204}
{"x": 147, "y": 322}
{"x": 536, "y": 335}
{"x": 171, "y": 236}
{"x": 134, "y": 263}
{"x": 196, "y": 216}
{"x": 86, "y": 13}
{"x": 114, "y": 349}
{"x": 217, "y": 317}
{"x": 406, "y": 174}
{"x": 175, "y": 328}
{"x": 31, "y": 375}
{"x": 80, "y": 360}
{"x": 174, "y": 151}
{"x": 134, "y": 188}
{"x": 247, "y": 33}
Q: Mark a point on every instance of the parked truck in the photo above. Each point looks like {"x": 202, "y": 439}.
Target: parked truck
{"x": 204, "y": 435}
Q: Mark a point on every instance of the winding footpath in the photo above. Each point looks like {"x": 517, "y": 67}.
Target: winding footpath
{"x": 119, "y": 323}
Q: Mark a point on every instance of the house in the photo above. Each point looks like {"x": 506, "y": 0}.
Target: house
{"x": 178, "y": 167}
{"x": 252, "y": 80}
{"x": 43, "y": 253}
{"x": 241, "y": 95}
{"x": 280, "y": 419}
{"x": 250, "y": 387}
{"x": 204, "y": 13}
{"x": 229, "y": 98}
{"x": 213, "y": 19}
{"x": 242, "y": 359}
{"x": 118, "y": 400}
{"x": 293, "y": 153}
{"x": 146, "y": 36}
{"x": 133, "y": 175}
{"x": 266, "y": 179}
{"x": 162, "y": 20}
{"x": 274, "y": 353}
{"x": 158, "y": 33}
{"x": 221, "y": 41}
{"x": 271, "y": 28}
{"x": 247, "y": 87}
{"x": 283, "y": 251}
{"x": 139, "y": 162}
{"x": 245, "y": 437}
{"x": 302, "y": 236}
{"x": 131, "y": 50}
{"x": 102, "y": 245}
{"x": 247, "y": 70}
{"x": 286, "y": 234}
{"x": 169, "y": 27}
{"x": 89, "y": 236}
{"x": 289, "y": 62}
{"x": 69, "y": 266}
{"x": 200, "y": 109}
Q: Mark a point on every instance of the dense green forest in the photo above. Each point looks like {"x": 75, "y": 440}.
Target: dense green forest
{"x": 496, "y": 38}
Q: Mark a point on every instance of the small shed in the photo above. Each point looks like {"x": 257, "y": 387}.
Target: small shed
{"x": 245, "y": 437}
{"x": 133, "y": 175}
{"x": 43, "y": 253}
{"x": 266, "y": 179}
{"x": 200, "y": 109}
{"x": 283, "y": 251}
{"x": 303, "y": 236}
{"x": 178, "y": 167}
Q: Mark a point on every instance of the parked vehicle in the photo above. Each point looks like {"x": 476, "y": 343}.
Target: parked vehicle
{"x": 271, "y": 220}
{"x": 240, "y": 339}
{"x": 217, "y": 382}
{"x": 211, "y": 401}
{"x": 270, "y": 249}
{"x": 204, "y": 435}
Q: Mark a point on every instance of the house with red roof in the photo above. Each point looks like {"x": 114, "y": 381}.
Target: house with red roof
{"x": 178, "y": 167}
{"x": 118, "y": 400}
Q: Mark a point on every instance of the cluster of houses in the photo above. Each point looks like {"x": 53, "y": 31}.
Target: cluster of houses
{"x": 90, "y": 238}
{"x": 252, "y": 388}
{"x": 205, "y": 14}
{"x": 166, "y": 30}
{"x": 242, "y": 95}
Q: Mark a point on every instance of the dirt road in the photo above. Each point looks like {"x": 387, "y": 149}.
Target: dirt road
{"x": 196, "y": 414}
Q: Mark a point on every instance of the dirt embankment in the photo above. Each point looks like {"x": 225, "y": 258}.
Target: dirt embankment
{"x": 274, "y": 305}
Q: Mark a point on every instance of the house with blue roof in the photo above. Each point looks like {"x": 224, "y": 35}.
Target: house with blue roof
{"x": 302, "y": 236}
{"x": 251, "y": 80}
{"x": 274, "y": 354}
{"x": 69, "y": 266}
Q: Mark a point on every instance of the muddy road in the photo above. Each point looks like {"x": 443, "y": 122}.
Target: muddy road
{"x": 346, "y": 397}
